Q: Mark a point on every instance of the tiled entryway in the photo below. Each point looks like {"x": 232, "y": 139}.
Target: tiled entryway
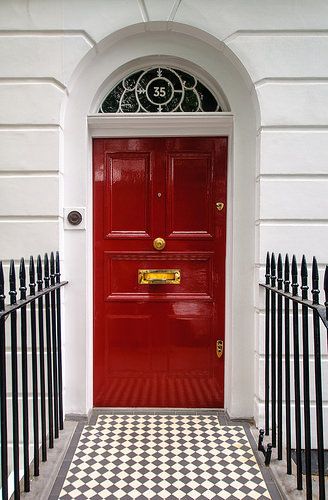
{"x": 155, "y": 456}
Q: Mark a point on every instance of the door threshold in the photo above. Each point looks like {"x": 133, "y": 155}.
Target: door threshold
{"x": 156, "y": 410}
{"x": 96, "y": 412}
{"x": 152, "y": 408}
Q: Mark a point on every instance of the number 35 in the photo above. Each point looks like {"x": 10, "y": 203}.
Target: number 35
{"x": 159, "y": 91}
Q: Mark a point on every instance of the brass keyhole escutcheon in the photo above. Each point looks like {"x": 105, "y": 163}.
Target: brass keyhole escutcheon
{"x": 219, "y": 348}
{"x": 159, "y": 243}
{"x": 219, "y": 205}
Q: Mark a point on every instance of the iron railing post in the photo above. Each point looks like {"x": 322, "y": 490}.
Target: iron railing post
{"x": 279, "y": 359}
{"x": 26, "y": 453}
{"x": 287, "y": 368}
{"x": 273, "y": 354}
{"x": 267, "y": 346}
{"x": 14, "y": 380}
{"x": 3, "y": 393}
{"x": 306, "y": 379}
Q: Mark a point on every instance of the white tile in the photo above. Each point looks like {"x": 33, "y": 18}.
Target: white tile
{"x": 230, "y": 441}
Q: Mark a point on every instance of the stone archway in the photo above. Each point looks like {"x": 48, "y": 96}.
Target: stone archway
{"x": 113, "y": 57}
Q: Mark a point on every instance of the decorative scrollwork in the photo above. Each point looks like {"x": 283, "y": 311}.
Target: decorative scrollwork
{"x": 160, "y": 90}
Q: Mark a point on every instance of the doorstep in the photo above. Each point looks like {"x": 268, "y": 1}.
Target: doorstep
{"x": 191, "y": 454}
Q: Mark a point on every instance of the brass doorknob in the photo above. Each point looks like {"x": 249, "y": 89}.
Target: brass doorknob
{"x": 219, "y": 205}
{"x": 159, "y": 243}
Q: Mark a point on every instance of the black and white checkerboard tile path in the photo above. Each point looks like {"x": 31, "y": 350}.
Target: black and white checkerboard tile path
{"x": 129, "y": 456}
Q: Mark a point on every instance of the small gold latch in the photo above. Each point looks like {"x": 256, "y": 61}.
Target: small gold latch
{"x": 219, "y": 348}
{"x": 219, "y": 205}
{"x": 159, "y": 243}
{"x": 159, "y": 277}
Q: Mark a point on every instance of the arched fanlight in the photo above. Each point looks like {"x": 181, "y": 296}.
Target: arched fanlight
{"x": 160, "y": 90}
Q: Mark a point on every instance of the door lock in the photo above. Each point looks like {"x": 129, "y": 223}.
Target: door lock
{"x": 219, "y": 205}
{"x": 219, "y": 348}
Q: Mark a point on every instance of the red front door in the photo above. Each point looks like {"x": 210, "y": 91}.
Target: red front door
{"x": 155, "y": 342}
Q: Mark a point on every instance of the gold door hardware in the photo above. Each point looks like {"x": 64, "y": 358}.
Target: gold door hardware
{"x": 219, "y": 348}
{"x": 159, "y": 277}
{"x": 219, "y": 205}
{"x": 159, "y": 243}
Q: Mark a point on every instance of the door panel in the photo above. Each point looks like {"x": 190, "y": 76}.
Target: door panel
{"x": 121, "y": 273}
{"x": 189, "y": 203}
{"x": 155, "y": 344}
{"x": 127, "y": 196}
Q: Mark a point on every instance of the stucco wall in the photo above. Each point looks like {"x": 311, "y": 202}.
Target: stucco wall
{"x": 282, "y": 45}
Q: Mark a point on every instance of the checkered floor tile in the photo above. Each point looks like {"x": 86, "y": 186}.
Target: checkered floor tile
{"x": 163, "y": 456}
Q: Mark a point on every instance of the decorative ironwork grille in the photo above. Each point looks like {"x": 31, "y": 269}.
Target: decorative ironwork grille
{"x": 160, "y": 90}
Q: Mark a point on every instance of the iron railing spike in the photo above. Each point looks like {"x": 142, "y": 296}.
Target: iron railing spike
{"x": 279, "y": 267}
{"x": 22, "y": 272}
{"x": 46, "y": 264}
{"x": 22, "y": 279}
{"x": 315, "y": 271}
{"x": 294, "y": 268}
{"x": 267, "y": 269}
{"x": 12, "y": 273}
{"x": 287, "y": 270}
{"x": 325, "y": 286}
{"x": 57, "y": 267}
{"x": 52, "y": 263}
{"x": 39, "y": 264}
{"x": 304, "y": 271}
{"x": 273, "y": 262}
{"x": 279, "y": 264}
{"x": 32, "y": 269}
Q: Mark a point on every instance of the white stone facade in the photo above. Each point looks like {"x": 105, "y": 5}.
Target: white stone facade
{"x": 58, "y": 58}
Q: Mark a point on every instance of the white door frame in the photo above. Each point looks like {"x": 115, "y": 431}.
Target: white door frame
{"x": 98, "y": 73}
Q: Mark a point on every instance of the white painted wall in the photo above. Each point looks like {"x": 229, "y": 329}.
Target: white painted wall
{"x": 56, "y": 60}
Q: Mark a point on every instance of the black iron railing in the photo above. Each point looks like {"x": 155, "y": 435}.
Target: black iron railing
{"x": 287, "y": 349}
{"x": 33, "y": 319}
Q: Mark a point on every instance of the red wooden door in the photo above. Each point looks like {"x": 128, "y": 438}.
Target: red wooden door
{"x": 155, "y": 344}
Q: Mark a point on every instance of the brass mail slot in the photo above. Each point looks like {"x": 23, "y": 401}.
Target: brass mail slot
{"x": 159, "y": 277}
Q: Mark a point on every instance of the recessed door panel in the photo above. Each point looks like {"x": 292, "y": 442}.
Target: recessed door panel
{"x": 127, "y": 195}
{"x": 121, "y": 276}
{"x": 189, "y": 195}
{"x": 128, "y": 338}
{"x": 159, "y": 310}
{"x": 190, "y": 345}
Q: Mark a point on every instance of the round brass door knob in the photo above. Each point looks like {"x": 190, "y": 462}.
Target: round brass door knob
{"x": 159, "y": 243}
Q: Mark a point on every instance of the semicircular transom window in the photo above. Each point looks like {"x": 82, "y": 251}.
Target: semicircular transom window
{"x": 160, "y": 90}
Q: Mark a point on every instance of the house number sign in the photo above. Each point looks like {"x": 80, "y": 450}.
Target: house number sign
{"x": 159, "y": 90}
